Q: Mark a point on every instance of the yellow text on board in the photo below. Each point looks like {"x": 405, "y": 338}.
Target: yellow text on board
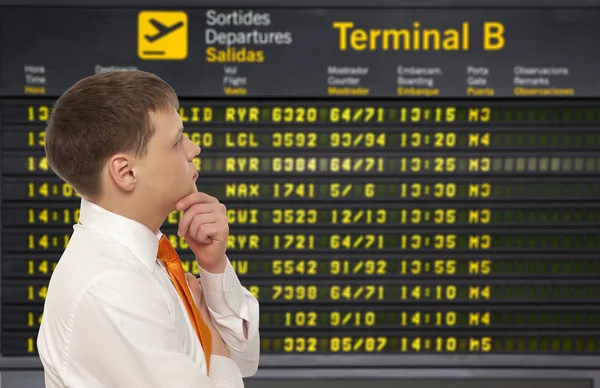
{"x": 417, "y": 38}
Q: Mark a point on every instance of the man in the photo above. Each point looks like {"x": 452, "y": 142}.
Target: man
{"x": 118, "y": 311}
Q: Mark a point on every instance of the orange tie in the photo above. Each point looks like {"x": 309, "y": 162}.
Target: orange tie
{"x": 169, "y": 256}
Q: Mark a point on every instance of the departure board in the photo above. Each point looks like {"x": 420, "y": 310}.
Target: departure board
{"x": 398, "y": 182}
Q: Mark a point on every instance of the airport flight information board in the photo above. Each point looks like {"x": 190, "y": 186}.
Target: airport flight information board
{"x": 398, "y": 182}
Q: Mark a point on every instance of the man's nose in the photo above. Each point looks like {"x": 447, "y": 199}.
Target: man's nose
{"x": 193, "y": 150}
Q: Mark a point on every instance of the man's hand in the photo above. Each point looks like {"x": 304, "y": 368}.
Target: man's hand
{"x": 218, "y": 345}
{"x": 205, "y": 227}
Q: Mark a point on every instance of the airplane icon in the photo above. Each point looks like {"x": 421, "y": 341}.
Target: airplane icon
{"x": 162, "y": 35}
{"x": 163, "y": 30}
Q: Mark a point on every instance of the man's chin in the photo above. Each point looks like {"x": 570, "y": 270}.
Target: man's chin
{"x": 191, "y": 190}
{"x": 182, "y": 194}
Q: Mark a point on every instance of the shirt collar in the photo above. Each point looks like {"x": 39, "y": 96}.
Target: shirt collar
{"x": 140, "y": 240}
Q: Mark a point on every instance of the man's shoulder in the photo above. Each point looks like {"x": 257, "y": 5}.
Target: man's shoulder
{"x": 111, "y": 290}
{"x": 95, "y": 252}
{"x": 104, "y": 270}
{"x": 95, "y": 266}
{"x": 97, "y": 287}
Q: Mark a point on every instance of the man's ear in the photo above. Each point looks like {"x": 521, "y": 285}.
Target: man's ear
{"x": 120, "y": 169}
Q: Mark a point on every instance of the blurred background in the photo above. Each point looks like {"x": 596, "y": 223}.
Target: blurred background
{"x": 412, "y": 186}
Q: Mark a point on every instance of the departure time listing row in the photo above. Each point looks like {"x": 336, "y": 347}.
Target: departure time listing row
{"x": 426, "y": 266}
{"x": 265, "y": 240}
{"x": 354, "y": 292}
{"x": 345, "y": 189}
{"x": 24, "y": 343}
{"x": 350, "y": 140}
{"x": 211, "y": 164}
{"x": 15, "y": 112}
{"x": 545, "y": 317}
{"x": 326, "y": 215}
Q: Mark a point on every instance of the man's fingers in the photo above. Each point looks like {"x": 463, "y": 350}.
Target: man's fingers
{"x": 191, "y": 213}
{"x": 203, "y": 231}
{"x": 195, "y": 289}
{"x": 199, "y": 229}
{"x": 198, "y": 296}
{"x": 194, "y": 198}
{"x": 208, "y": 232}
{"x": 195, "y": 222}
{"x": 192, "y": 283}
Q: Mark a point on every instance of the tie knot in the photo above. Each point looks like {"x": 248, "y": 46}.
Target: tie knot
{"x": 166, "y": 252}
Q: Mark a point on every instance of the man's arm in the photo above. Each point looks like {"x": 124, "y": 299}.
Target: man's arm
{"x": 235, "y": 315}
{"x": 234, "y": 311}
{"x": 124, "y": 336}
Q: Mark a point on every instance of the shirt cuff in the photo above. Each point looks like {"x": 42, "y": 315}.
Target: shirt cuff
{"x": 223, "y": 292}
{"x": 224, "y": 372}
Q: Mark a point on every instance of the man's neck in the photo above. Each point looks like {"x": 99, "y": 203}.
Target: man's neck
{"x": 145, "y": 215}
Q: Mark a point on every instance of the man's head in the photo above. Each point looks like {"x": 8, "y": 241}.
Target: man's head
{"x": 116, "y": 138}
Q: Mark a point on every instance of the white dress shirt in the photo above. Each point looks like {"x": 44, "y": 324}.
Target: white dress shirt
{"x": 113, "y": 319}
